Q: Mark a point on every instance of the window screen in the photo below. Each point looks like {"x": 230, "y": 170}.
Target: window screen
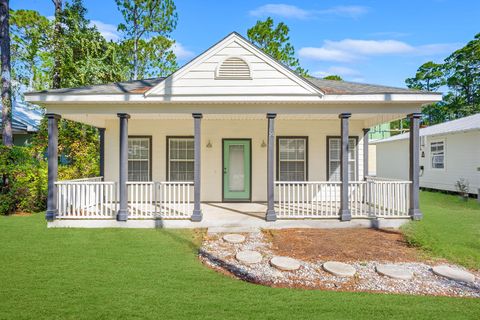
{"x": 139, "y": 158}
{"x": 180, "y": 159}
{"x": 437, "y": 154}
{"x": 334, "y": 148}
{"x": 292, "y": 159}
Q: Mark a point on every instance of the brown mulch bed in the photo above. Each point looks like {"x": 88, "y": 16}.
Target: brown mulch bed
{"x": 343, "y": 245}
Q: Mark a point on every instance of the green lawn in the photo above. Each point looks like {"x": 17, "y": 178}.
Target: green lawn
{"x": 450, "y": 228}
{"x": 128, "y": 274}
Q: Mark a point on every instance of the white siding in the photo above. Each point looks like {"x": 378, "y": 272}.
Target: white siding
{"x": 213, "y": 131}
{"x": 200, "y": 78}
{"x": 462, "y": 160}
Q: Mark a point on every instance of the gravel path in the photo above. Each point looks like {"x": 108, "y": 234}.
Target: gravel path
{"x": 220, "y": 255}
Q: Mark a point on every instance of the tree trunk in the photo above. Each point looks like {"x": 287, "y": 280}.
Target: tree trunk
{"x": 7, "y": 135}
{"x": 135, "y": 43}
{"x": 57, "y": 33}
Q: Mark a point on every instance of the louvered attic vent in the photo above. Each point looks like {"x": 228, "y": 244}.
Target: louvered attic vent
{"x": 234, "y": 69}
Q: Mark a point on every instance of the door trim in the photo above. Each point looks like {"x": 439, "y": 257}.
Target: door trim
{"x": 223, "y": 166}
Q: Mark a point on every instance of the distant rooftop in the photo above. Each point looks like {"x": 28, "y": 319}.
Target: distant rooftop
{"x": 25, "y": 118}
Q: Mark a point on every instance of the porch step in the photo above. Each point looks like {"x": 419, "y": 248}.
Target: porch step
{"x": 232, "y": 229}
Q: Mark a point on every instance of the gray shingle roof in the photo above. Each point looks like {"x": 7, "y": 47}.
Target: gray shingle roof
{"x": 134, "y": 86}
{"x": 346, "y": 87}
{"x": 141, "y": 86}
{"x": 459, "y": 125}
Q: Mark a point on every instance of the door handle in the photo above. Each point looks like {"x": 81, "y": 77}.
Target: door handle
{"x": 224, "y": 170}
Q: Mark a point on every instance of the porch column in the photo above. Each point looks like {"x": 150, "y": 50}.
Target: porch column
{"x": 365, "y": 152}
{"x": 197, "y": 211}
{"x": 101, "y": 132}
{"x": 414, "y": 209}
{"x": 271, "y": 214}
{"x": 52, "y": 209}
{"x": 122, "y": 214}
{"x": 344, "y": 210}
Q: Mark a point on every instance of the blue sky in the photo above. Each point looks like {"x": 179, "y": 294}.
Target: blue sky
{"x": 380, "y": 42}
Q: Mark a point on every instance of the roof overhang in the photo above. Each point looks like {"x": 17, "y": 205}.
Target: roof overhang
{"x": 46, "y": 99}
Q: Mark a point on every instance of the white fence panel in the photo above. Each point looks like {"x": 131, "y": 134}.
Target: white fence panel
{"x": 86, "y": 198}
{"x": 141, "y": 199}
{"x": 175, "y": 199}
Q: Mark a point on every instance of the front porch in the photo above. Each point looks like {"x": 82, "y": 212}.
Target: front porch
{"x": 92, "y": 202}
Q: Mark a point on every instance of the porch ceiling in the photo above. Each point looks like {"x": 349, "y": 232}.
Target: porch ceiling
{"x": 98, "y": 120}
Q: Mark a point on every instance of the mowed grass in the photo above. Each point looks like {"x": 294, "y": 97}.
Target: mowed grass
{"x": 450, "y": 228}
{"x": 155, "y": 274}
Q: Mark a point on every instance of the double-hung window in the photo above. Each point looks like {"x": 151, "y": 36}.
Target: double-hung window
{"x": 139, "y": 158}
{"x": 292, "y": 158}
{"x": 437, "y": 154}
{"x": 180, "y": 160}
{"x": 333, "y": 158}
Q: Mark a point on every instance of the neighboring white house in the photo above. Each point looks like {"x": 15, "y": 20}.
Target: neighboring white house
{"x": 234, "y": 127}
{"x": 449, "y": 152}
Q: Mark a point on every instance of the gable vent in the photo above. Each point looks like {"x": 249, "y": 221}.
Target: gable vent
{"x": 234, "y": 69}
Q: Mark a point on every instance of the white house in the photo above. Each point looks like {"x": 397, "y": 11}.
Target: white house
{"x": 233, "y": 129}
{"x": 449, "y": 152}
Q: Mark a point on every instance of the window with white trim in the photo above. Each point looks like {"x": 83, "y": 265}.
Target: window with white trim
{"x": 139, "y": 158}
{"x": 180, "y": 159}
{"x": 437, "y": 154}
{"x": 333, "y": 158}
{"x": 292, "y": 159}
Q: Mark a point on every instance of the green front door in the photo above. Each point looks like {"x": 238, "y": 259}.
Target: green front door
{"x": 236, "y": 169}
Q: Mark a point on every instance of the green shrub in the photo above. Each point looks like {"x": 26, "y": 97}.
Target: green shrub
{"x": 23, "y": 181}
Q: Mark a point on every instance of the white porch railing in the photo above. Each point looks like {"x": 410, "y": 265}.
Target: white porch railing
{"x": 170, "y": 200}
{"x": 371, "y": 198}
{"x": 142, "y": 199}
{"x": 305, "y": 199}
{"x": 388, "y": 198}
{"x": 86, "y": 198}
{"x": 92, "y": 198}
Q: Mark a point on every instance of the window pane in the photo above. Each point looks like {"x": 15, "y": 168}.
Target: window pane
{"x": 138, "y": 159}
{"x": 292, "y": 159}
{"x": 181, "y": 159}
{"x": 437, "y": 154}
{"x": 334, "y": 159}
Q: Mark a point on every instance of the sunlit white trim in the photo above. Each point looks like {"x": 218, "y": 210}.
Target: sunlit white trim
{"x": 291, "y": 98}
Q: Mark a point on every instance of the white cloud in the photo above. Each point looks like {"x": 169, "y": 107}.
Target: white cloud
{"x": 349, "y": 50}
{"x": 325, "y": 54}
{"x": 294, "y": 12}
{"x": 347, "y": 11}
{"x": 108, "y": 31}
{"x": 181, "y": 52}
{"x": 281, "y": 10}
{"x": 337, "y": 70}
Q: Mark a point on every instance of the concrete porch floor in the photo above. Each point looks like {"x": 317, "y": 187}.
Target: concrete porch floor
{"x": 231, "y": 217}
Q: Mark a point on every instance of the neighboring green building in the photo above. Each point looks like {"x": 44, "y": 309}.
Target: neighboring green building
{"x": 381, "y": 131}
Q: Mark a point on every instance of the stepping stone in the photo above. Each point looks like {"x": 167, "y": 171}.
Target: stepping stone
{"x": 234, "y": 238}
{"x": 453, "y": 273}
{"x": 249, "y": 257}
{"x": 393, "y": 271}
{"x": 285, "y": 263}
{"x": 339, "y": 269}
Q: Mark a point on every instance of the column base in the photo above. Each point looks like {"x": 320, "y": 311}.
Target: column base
{"x": 122, "y": 215}
{"x": 197, "y": 215}
{"x": 345, "y": 215}
{"x": 416, "y": 214}
{"x": 271, "y": 215}
{"x": 50, "y": 215}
